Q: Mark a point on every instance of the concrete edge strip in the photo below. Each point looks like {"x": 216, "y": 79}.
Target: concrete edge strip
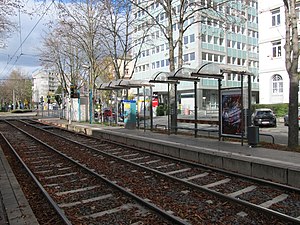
{"x": 220, "y": 153}
{"x": 16, "y": 205}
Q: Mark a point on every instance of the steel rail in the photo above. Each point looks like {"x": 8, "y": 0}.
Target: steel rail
{"x": 40, "y": 186}
{"x": 258, "y": 180}
{"x": 163, "y": 213}
{"x": 207, "y": 190}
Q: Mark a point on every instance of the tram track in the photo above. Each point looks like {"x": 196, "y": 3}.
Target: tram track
{"x": 191, "y": 181}
{"x": 78, "y": 194}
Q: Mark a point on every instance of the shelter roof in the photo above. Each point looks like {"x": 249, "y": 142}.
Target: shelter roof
{"x": 216, "y": 70}
{"x": 183, "y": 74}
{"x": 123, "y": 84}
{"x": 161, "y": 77}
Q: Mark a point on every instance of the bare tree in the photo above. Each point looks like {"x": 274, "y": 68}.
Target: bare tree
{"x": 82, "y": 21}
{"x": 17, "y": 87}
{"x": 291, "y": 63}
{"x": 118, "y": 28}
{"x": 60, "y": 55}
{"x": 7, "y": 9}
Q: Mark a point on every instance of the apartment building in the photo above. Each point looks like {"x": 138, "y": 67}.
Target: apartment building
{"x": 273, "y": 77}
{"x": 227, "y": 36}
{"x": 45, "y": 83}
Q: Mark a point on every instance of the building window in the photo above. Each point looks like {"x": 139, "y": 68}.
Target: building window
{"x": 221, "y": 41}
{"x": 229, "y": 43}
{"x": 167, "y": 62}
{"x": 275, "y": 17}
{"x": 277, "y": 84}
{"x": 209, "y": 39}
{"x": 192, "y": 56}
{"x": 216, "y": 40}
{"x": 185, "y": 57}
{"x": 153, "y": 65}
{"x": 186, "y": 40}
{"x": 192, "y": 38}
{"x": 276, "y": 49}
{"x": 216, "y": 58}
{"x": 157, "y": 49}
{"x": 204, "y": 56}
{"x": 210, "y": 57}
{"x": 167, "y": 46}
{"x": 298, "y": 10}
{"x": 203, "y": 37}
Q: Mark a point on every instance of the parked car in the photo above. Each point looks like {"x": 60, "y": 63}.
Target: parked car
{"x": 286, "y": 118}
{"x": 264, "y": 117}
{"x": 107, "y": 112}
{"x": 108, "y": 115}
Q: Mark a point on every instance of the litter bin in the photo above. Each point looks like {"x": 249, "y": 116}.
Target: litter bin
{"x": 253, "y": 135}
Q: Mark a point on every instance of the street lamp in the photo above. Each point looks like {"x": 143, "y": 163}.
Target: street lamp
{"x": 90, "y": 92}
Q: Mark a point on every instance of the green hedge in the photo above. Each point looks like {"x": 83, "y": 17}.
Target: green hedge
{"x": 162, "y": 110}
{"x": 279, "y": 109}
{"x": 21, "y": 111}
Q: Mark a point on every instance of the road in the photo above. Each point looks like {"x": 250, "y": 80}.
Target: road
{"x": 280, "y": 134}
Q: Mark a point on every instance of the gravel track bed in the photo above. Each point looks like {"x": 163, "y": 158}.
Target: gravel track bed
{"x": 172, "y": 196}
{"x": 39, "y": 204}
{"x": 85, "y": 208}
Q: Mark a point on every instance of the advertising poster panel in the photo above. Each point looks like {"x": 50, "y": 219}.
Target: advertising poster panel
{"x": 130, "y": 114}
{"x": 231, "y": 121}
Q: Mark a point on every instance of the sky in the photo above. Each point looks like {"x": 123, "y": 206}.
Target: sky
{"x": 20, "y": 51}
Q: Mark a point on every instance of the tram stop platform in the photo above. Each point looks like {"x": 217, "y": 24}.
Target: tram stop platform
{"x": 275, "y": 165}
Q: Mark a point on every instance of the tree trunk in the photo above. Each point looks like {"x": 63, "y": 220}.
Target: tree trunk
{"x": 293, "y": 130}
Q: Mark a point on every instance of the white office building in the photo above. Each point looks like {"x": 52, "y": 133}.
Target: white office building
{"x": 273, "y": 77}
{"x": 45, "y": 83}
{"x": 213, "y": 40}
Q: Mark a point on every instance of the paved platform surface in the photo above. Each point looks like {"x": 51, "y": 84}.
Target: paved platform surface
{"x": 14, "y": 207}
{"x": 285, "y": 157}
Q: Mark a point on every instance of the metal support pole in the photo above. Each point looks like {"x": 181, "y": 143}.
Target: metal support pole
{"x": 138, "y": 114}
{"x": 196, "y": 108}
{"x": 91, "y": 105}
{"x": 151, "y": 110}
{"x": 79, "y": 110}
{"x": 220, "y": 108}
{"x": 249, "y": 100}
{"x": 70, "y": 108}
{"x": 242, "y": 109}
{"x": 175, "y": 109}
{"x": 144, "y": 92}
{"x": 168, "y": 109}
{"x": 14, "y": 100}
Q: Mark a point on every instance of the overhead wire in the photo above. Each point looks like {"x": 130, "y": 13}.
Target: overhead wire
{"x": 22, "y": 42}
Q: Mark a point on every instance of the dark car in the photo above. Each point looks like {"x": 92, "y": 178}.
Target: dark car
{"x": 286, "y": 119}
{"x": 264, "y": 117}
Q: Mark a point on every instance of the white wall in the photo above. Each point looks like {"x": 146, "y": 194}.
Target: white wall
{"x": 268, "y": 65}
